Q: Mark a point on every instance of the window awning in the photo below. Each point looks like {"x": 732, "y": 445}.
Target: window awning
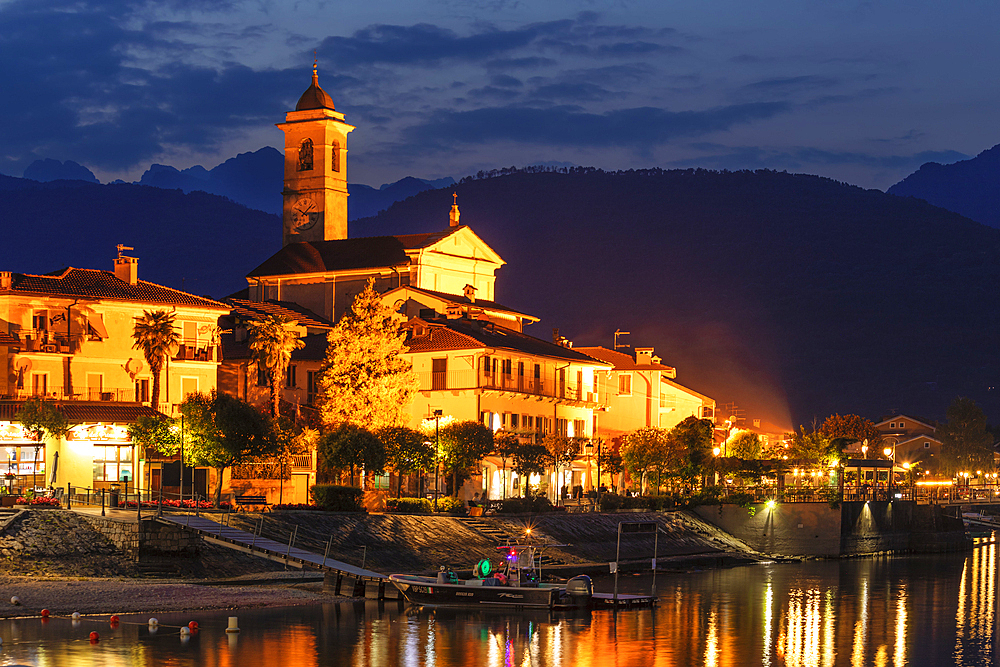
{"x": 97, "y": 324}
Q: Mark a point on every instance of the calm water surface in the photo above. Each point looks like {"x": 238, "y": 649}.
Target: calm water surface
{"x": 924, "y": 610}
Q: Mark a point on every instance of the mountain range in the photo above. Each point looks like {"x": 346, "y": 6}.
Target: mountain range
{"x": 793, "y": 295}
{"x": 252, "y": 179}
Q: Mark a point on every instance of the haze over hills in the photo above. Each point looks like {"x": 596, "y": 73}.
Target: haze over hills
{"x": 253, "y": 179}
{"x": 793, "y": 295}
{"x": 970, "y": 187}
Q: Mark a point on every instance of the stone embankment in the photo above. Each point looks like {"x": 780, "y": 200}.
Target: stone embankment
{"x": 418, "y": 543}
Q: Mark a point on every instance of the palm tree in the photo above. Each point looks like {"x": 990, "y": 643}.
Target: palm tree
{"x": 154, "y": 335}
{"x": 272, "y": 341}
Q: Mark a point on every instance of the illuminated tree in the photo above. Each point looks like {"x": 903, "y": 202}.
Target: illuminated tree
{"x": 154, "y": 336}
{"x": 222, "y": 431}
{"x": 272, "y": 341}
{"x": 644, "y": 450}
{"x": 562, "y": 451}
{"x": 965, "y": 438}
{"x": 159, "y": 433}
{"x": 406, "y": 451}
{"x": 351, "y": 447}
{"x": 504, "y": 447}
{"x": 814, "y": 446}
{"x": 364, "y": 380}
{"x": 851, "y": 426}
{"x": 463, "y": 445}
{"x": 41, "y": 418}
{"x": 744, "y": 445}
{"x": 530, "y": 459}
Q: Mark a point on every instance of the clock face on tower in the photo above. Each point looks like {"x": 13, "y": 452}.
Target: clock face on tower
{"x": 304, "y": 215}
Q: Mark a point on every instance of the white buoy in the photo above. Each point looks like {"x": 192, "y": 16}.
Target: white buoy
{"x": 185, "y": 630}
{"x": 153, "y": 622}
{"x": 76, "y": 616}
{"x": 233, "y": 627}
{"x": 15, "y": 601}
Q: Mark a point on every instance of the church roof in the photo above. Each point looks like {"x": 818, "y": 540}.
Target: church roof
{"x": 314, "y": 97}
{"x": 97, "y": 284}
{"x": 345, "y": 254}
{"x": 256, "y": 310}
{"x": 485, "y": 304}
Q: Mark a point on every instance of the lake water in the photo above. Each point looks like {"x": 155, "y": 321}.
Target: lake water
{"x": 919, "y": 610}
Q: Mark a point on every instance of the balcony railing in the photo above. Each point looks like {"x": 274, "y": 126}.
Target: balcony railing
{"x": 193, "y": 350}
{"x": 82, "y": 394}
{"x": 470, "y": 379}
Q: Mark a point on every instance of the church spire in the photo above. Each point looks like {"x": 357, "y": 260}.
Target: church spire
{"x": 455, "y": 214}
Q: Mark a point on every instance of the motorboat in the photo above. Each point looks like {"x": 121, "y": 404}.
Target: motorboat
{"x": 514, "y": 582}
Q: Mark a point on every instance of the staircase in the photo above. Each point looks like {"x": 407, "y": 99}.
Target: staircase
{"x": 501, "y": 535}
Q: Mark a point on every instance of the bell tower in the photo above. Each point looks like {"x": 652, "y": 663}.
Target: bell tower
{"x": 315, "y": 194}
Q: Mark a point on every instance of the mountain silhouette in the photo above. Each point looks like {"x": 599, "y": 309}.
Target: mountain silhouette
{"x": 256, "y": 180}
{"x": 793, "y": 295}
{"x": 54, "y": 170}
{"x": 970, "y": 187}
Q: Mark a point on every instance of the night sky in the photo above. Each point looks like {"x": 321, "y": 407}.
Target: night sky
{"x": 863, "y": 92}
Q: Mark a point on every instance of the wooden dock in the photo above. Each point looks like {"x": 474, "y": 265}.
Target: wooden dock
{"x": 607, "y": 601}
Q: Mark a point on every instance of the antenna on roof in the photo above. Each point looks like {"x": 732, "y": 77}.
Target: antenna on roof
{"x": 123, "y": 248}
{"x": 619, "y": 332}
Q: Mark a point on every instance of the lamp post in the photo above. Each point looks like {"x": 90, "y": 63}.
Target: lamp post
{"x": 909, "y": 477}
{"x": 437, "y": 456}
{"x": 890, "y": 453}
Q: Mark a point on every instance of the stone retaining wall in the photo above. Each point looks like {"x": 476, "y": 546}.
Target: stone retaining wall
{"x": 147, "y": 538}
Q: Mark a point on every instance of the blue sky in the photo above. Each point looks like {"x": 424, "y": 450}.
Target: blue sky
{"x": 863, "y": 92}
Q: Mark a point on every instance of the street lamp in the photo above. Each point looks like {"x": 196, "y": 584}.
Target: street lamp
{"x": 437, "y": 456}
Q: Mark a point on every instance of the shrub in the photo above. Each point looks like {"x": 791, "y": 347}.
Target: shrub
{"x": 741, "y": 499}
{"x": 710, "y": 495}
{"x": 611, "y": 502}
{"x": 335, "y": 498}
{"x": 411, "y": 505}
{"x": 450, "y": 505}
{"x": 529, "y": 505}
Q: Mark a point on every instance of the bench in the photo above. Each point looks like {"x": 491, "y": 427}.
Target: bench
{"x": 250, "y": 501}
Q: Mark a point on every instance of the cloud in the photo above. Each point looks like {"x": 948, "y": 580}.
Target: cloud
{"x": 793, "y": 83}
{"x": 528, "y": 62}
{"x": 505, "y": 81}
{"x": 572, "y": 92}
{"x": 571, "y": 126}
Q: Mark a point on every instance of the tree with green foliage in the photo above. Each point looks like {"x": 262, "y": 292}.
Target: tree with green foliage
{"x": 644, "y": 450}
{"x": 463, "y": 445}
{"x": 530, "y": 459}
{"x": 222, "y": 431}
{"x": 693, "y": 437}
{"x": 350, "y": 447}
{"x": 744, "y": 445}
{"x": 42, "y": 419}
{"x": 562, "y": 451}
{"x": 364, "y": 379}
{"x": 504, "y": 446}
{"x": 272, "y": 341}
{"x": 406, "y": 451}
{"x": 852, "y": 427}
{"x": 154, "y": 335}
{"x": 966, "y": 443}
{"x": 815, "y": 446}
{"x": 610, "y": 463}
{"x": 158, "y": 433}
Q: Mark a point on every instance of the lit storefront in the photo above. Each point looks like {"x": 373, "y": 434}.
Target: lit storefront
{"x": 25, "y": 465}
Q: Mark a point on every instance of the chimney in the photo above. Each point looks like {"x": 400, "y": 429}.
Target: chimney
{"x": 455, "y": 215}
{"x": 6, "y": 280}
{"x": 643, "y": 356}
{"x": 470, "y": 293}
{"x": 126, "y": 268}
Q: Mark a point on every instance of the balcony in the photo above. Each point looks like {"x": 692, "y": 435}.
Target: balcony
{"x": 82, "y": 394}
{"x": 193, "y": 350}
{"x": 470, "y": 379}
{"x": 49, "y": 342}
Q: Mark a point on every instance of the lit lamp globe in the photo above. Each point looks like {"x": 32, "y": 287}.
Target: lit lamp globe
{"x": 887, "y": 451}
{"x": 716, "y": 451}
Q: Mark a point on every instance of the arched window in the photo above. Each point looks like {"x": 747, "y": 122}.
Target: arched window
{"x": 335, "y": 161}
{"x": 306, "y": 155}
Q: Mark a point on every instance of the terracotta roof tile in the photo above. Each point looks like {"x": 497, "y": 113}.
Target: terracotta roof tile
{"x": 292, "y": 311}
{"x": 621, "y": 361}
{"x": 84, "y": 411}
{"x": 99, "y": 284}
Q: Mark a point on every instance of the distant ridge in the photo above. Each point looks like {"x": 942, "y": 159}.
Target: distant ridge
{"x": 970, "y": 187}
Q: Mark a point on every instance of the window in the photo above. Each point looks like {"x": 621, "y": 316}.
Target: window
{"x": 562, "y": 382}
{"x": 439, "y": 373}
{"x": 625, "y": 383}
{"x": 40, "y": 320}
{"x": 901, "y": 425}
{"x": 514, "y": 421}
{"x": 707, "y": 412}
{"x": 527, "y": 422}
{"x": 290, "y": 376}
{"x": 486, "y": 366}
{"x": 538, "y": 371}
{"x": 520, "y": 369}
{"x": 262, "y": 375}
{"x": 507, "y": 367}
{"x": 578, "y": 428}
{"x": 311, "y": 378}
{"x": 95, "y": 385}
{"x": 927, "y": 445}
{"x": 112, "y": 463}
{"x": 562, "y": 426}
{"x": 892, "y": 424}
{"x": 335, "y": 156}
{"x": 142, "y": 391}
{"x": 306, "y": 155}
{"x": 39, "y": 384}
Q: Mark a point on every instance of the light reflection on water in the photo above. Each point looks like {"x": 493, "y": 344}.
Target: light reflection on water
{"x": 917, "y": 611}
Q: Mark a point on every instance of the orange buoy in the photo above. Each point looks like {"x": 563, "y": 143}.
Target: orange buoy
{"x": 193, "y": 625}
{"x": 94, "y": 637}
{"x": 114, "y": 619}
{"x": 45, "y": 613}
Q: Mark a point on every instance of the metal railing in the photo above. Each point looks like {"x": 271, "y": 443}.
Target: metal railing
{"x": 470, "y": 379}
{"x": 83, "y": 394}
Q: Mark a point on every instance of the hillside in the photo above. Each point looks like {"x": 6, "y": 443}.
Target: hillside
{"x": 970, "y": 187}
{"x": 793, "y": 295}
